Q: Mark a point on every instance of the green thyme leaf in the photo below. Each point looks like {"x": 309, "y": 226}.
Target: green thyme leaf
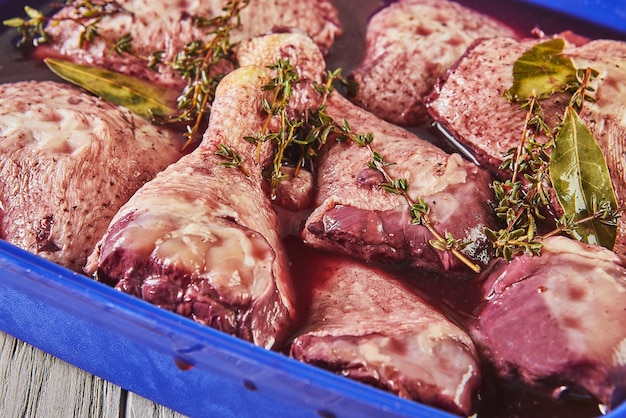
{"x": 143, "y": 98}
{"x": 231, "y": 157}
{"x": 123, "y": 45}
{"x": 33, "y": 13}
{"x": 15, "y": 22}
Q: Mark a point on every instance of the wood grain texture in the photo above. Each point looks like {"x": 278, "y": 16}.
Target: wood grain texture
{"x": 139, "y": 407}
{"x": 36, "y": 384}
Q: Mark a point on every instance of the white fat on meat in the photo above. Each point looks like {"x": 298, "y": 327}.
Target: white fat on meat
{"x": 68, "y": 162}
{"x": 366, "y": 324}
{"x": 201, "y": 239}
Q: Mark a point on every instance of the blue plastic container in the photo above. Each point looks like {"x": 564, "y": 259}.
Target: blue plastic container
{"x": 167, "y": 358}
{"x": 608, "y": 14}
{"x": 173, "y": 361}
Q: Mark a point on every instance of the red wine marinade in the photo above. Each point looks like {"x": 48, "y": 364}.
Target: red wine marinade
{"x": 457, "y": 297}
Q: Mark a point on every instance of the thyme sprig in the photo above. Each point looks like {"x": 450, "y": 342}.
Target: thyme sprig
{"x": 420, "y": 211}
{"x": 88, "y": 13}
{"x": 522, "y": 200}
{"x": 322, "y": 125}
{"x": 202, "y": 64}
{"x": 276, "y": 107}
{"x": 601, "y": 210}
{"x": 310, "y": 131}
{"x": 231, "y": 158}
{"x": 198, "y": 64}
{"x": 518, "y": 204}
{"x": 298, "y": 137}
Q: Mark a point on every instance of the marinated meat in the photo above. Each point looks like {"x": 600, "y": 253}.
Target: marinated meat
{"x": 469, "y": 105}
{"x": 169, "y": 27}
{"x": 68, "y": 162}
{"x": 409, "y": 45}
{"x": 200, "y": 239}
{"x": 301, "y": 52}
{"x": 295, "y": 194}
{"x": 355, "y": 215}
{"x": 203, "y": 240}
{"x": 366, "y": 325}
{"x": 558, "y": 322}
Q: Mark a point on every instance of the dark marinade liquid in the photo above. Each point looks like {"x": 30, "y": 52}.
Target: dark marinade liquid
{"x": 458, "y": 297}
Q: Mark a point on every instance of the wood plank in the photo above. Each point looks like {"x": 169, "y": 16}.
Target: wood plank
{"x": 36, "y": 384}
{"x": 138, "y": 407}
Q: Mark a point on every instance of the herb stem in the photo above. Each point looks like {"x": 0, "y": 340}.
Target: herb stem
{"x": 597, "y": 215}
{"x": 583, "y": 87}
{"x": 519, "y": 153}
{"x": 458, "y": 254}
{"x": 424, "y": 219}
{"x": 203, "y": 68}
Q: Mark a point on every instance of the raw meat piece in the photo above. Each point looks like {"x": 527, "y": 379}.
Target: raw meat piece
{"x": 356, "y": 216}
{"x": 558, "y": 322}
{"x": 470, "y": 106}
{"x": 294, "y": 194}
{"x": 366, "y": 325}
{"x": 301, "y": 52}
{"x": 200, "y": 239}
{"x": 68, "y": 162}
{"x": 169, "y": 28}
{"x": 409, "y": 45}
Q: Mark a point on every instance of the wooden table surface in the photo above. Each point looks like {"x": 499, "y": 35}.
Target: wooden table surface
{"x": 35, "y": 384}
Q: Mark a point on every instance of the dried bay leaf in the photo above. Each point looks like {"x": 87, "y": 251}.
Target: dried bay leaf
{"x": 141, "y": 97}
{"x": 579, "y": 174}
{"x": 541, "y": 71}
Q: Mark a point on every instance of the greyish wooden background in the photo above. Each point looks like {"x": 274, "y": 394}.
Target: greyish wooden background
{"x": 35, "y": 384}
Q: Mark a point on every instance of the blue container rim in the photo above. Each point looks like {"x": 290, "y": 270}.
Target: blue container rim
{"x": 173, "y": 335}
{"x": 607, "y": 14}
